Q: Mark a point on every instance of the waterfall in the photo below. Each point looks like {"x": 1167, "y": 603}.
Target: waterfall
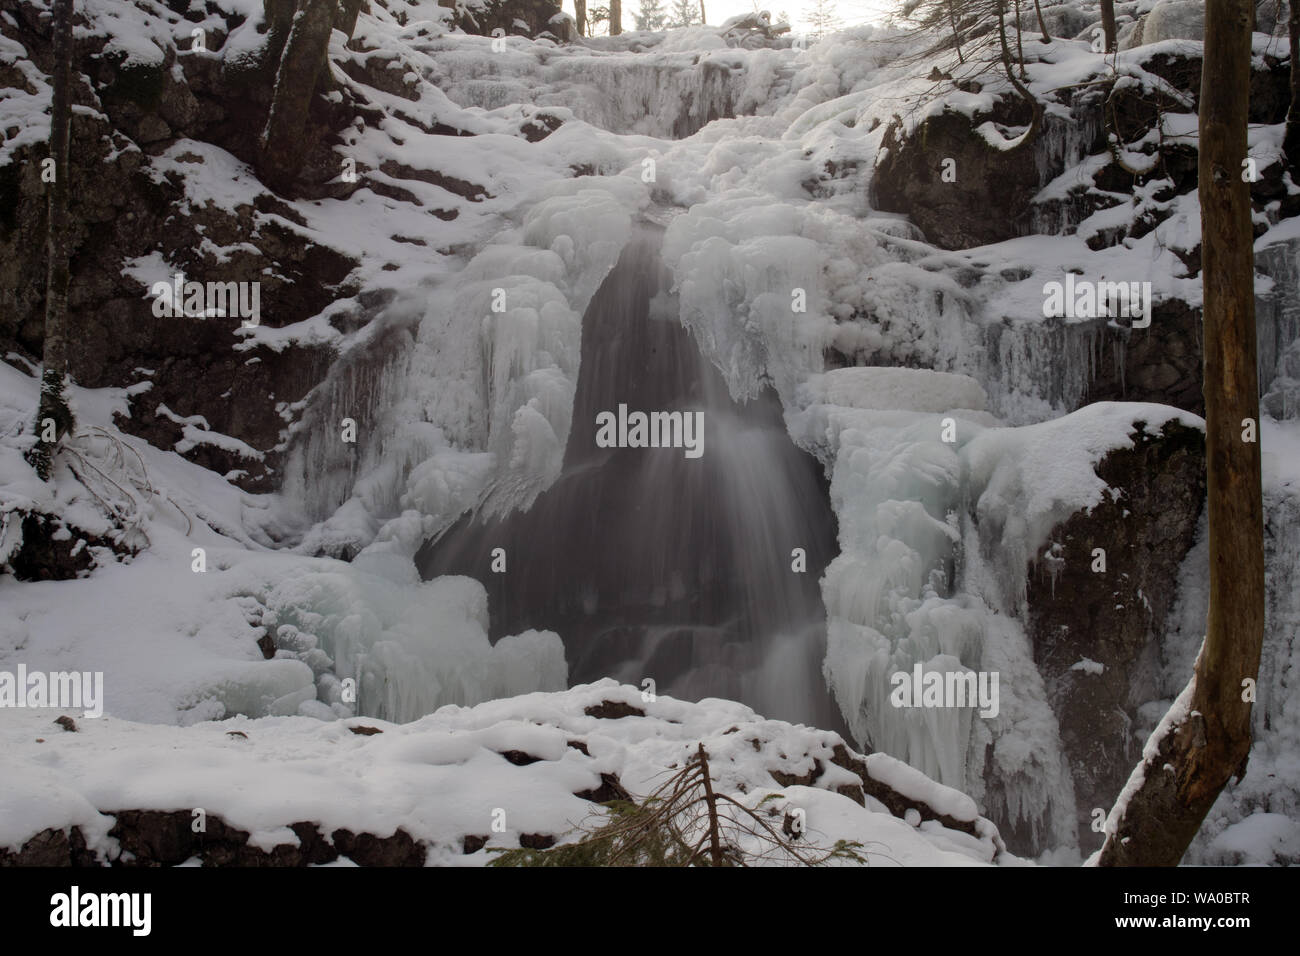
{"x": 700, "y": 574}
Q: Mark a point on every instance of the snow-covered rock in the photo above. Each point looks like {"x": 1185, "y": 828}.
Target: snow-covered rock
{"x": 447, "y": 789}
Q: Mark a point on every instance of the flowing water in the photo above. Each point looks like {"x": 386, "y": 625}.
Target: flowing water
{"x": 650, "y": 563}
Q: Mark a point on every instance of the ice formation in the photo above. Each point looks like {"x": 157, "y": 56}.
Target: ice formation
{"x": 948, "y": 455}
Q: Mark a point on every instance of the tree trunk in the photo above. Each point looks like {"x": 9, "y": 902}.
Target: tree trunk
{"x": 53, "y": 416}
{"x": 283, "y": 145}
{"x": 345, "y": 16}
{"x": 956, "y": 33}
{"x": 1108, "y": 25}
{"x": 1020, "y": 46}
{"x": 1042, "y": 24}
{"x": 1206, "y": 737}
{"x": 703, "y": 17}
{"x": 580, "y": 15}
{"x": 1035, "y": 107}
{"x": 1291, "y": 143}
{"x": 615, "y": 17}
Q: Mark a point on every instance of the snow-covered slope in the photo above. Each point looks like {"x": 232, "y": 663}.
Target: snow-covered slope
{"x": 953, "y": 443}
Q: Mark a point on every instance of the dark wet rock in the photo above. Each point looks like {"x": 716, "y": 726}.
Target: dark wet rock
{"x": 501, "y": 15}
{"x": 519, "y": 758}
{"x": 898, "y": 804}
{"x": 613, "y": 710}
{"x": 953, "y": 214}
{"x": 51, "y": 847}
{"x": 610, "y": 789}
{"x": 54, "y": 550}
{"x": 1096, "y": 634}
{"x": 1161, "y": 363}
{"x": 168, "y": 838}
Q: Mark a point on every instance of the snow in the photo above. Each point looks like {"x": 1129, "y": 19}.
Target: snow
{"x": 1031, "y": 479}
{"x": 184, "y": 650}
{"x": 949, "y": 455}
{"x": 1174, "y": 20}
{"x": 443, "y": 777}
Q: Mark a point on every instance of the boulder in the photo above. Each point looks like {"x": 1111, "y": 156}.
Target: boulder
{"x": 1096, "y": 634}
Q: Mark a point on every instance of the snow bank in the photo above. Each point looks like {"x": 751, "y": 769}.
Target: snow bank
{"x": 498, "y": 771}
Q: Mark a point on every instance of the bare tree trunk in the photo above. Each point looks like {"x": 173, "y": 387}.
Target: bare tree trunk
{"x": 956, "y": 33}
{"x": 283, "y": 145}
{"x": 1042, "y": 24}
{"x": 53, "y": 416}
{"x": 1108, "y": 25}
{"x": 345, "y": 16}
{"x": 1291, "y": 142}
{"x": 615, "y": 17}
{"x": 580, "y": 15}
{"x": 1206, "y": 737}
{"x": 1035, "y": 107}
{"x": 703, "y": 17}
{"x": 1020, "y": 46}
{"x": 715, "y": 845}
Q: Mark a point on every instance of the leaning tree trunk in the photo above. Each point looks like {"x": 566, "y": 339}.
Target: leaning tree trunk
{"x": 1291, "y": 142}
{"x": 53, "y": 415}
{"x": 1205, "y": 738}
{"x": 956, "y": 32}
{"x": 1042, "y": 24}
{"x": 1108, "y": 25}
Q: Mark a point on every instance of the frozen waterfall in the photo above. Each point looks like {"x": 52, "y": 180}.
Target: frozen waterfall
{"x": 700, "y": 574}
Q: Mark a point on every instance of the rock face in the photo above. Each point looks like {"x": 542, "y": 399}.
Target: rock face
{"x": 911, "y": 179}
{"x": 511, "y": 17}
{"x": 125, "y": 208}
{"x": 1096, "y": 633}
{"x": 302, "y": 62}
{"x": 952, "y": 212}
{"x": 1159, "y": 364}
{"x": 142, "y": 147}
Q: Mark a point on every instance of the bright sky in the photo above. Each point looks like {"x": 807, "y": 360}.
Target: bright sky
{"x": 851, "y": 12}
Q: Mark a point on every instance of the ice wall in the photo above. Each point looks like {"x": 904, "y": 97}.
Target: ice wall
{"x": 408, "y": 647}
{"x": 668, "y": 94}
{"x": 467, "y": 400}
{"x": 1277, "y": 320}
{"x": 910, "y": 587}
